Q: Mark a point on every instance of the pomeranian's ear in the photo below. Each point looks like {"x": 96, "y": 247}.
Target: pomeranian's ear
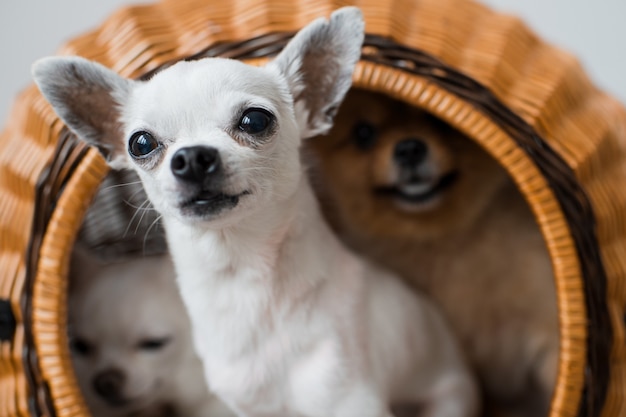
{"x": 318, "y": 64}
{"x": 88, "y": 97}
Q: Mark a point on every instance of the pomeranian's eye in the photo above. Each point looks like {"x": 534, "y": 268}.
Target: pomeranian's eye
{"x": 142, "y": 144}
{"x": 153, "y": 344}
{"x": 255, "y": 121}
{"x": 364, "y": 135}
{"x": 81, "y": 347}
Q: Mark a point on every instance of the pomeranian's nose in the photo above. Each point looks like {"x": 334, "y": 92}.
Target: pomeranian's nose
{"x": 410, "y": 152}
{"x": 109, "y": 385}
{"x": 195, "y": 163}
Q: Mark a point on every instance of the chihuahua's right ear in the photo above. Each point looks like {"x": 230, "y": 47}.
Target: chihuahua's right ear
{"x": 88, "y": 97}
{"x": 318, "y": 64}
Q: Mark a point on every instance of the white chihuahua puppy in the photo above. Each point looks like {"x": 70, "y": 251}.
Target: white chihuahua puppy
{"x": 286, "y": 320}
{"x": 131, "y": 340}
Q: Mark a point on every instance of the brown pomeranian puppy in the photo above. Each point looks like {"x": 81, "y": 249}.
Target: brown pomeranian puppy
{"x": 420, "y": 198}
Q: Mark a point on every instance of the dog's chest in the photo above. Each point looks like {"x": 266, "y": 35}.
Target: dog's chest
{"x": 270, "y": 336}
{"x": 275, "y": 367}
{"x": 268, "y": 358}
{"x": 280, "y": 378}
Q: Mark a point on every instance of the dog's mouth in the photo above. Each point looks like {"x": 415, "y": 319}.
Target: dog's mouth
{"x": 208, "y": 202}
{"x": 148, "y": 399}
{"x": 419, "y": 192}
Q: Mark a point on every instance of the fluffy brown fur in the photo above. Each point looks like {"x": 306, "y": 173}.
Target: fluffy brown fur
{"x": 461, "y": 232}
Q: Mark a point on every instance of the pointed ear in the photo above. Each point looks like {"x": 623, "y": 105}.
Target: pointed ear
{"x": 87, "y": 96}
{"x": 318, "y": 64}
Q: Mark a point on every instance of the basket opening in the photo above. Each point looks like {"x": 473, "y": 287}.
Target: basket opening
{"x": 400, "y": 186}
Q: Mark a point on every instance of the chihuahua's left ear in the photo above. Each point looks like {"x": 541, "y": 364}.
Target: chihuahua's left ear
{"x": 318, "y": 64}
{"x": 87, "y": 96}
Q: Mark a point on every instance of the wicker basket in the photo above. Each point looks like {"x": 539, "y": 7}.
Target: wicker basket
{"x": 528, "y": 104}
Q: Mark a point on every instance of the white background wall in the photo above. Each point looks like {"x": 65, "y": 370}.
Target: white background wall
{"x": 592, "y": 29}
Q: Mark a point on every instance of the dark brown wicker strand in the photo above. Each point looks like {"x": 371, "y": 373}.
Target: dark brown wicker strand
{"x": 69, "y": 152}
{"x": 573, "y": 200}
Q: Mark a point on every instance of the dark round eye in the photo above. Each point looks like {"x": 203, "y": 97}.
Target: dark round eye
{"x": 255, "y": 121}
{"x": 153, "y": 344}
{"x": 141, "y": 144}
{"x": 364, "y": 135}
{"x": 81, "y": 347}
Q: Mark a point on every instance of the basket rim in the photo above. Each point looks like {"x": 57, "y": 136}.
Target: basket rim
{"x": 425, "y": 90}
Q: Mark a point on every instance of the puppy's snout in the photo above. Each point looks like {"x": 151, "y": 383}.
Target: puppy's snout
{"x": 410, "y": 152}
{"x": 195, "y": 163}
{"x": 109, "y": 385}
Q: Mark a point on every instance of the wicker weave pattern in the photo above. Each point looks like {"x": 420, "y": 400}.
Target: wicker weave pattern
{"x": 543, "y": 85}
{"x": 28, "y": 144}
{"x": 50, "y": 310}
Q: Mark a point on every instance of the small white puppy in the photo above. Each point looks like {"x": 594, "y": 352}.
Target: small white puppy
{"x": 286, "y": 320}
{"x": 131, "y": 340}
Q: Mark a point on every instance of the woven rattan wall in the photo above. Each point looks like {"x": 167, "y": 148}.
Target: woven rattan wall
{"x": 528, "y": 104}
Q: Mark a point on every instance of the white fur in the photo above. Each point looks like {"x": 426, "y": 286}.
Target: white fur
{"x": 114, "y": 307}
{"x": 287, "y": 321}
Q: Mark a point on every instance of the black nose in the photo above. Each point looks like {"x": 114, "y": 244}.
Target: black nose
{"x": 410, "y": 152}
{"x": 109, "y": 385}
{"x": 196, "y": 163}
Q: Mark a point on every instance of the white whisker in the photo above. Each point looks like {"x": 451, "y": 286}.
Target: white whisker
{"x": 145, "y": 237}
{"x": 143, "y": 213}
{"x": 141, "y": 209}
{"x": 124, "y": 184}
